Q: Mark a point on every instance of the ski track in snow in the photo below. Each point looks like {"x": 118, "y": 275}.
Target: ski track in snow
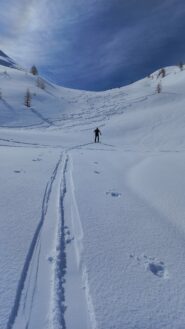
{"x": 61, "y": 265}
{"x": 40, "y": 116}
{"x": 32, "y": 258}
{"x": 33, "y": 245}
{"x": 37, "y": 250}
{"x": 8, "y": 106}
{"x": 22, "y": 143}
{"x": 28, "y": 279}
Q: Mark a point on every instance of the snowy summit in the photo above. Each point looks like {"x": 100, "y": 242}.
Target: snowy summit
{"x": 92, "y": 234}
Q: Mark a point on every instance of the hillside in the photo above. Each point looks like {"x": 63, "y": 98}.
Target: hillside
{"x": 138, "y": 103}
{"x": 92, "y": 235}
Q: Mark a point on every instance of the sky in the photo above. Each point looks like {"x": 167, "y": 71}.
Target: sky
{"x": 93, "y": 44}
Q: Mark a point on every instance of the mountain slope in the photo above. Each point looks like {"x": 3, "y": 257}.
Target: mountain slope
{"x": 92, "y": 235}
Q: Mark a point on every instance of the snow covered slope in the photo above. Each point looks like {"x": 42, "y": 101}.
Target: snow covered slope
{"x": 92, "y": 235}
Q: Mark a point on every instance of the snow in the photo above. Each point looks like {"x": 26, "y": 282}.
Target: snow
{"x": 92, "y": 235}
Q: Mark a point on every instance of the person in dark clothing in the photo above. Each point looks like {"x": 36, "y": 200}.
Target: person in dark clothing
{"x": 97, "y": 134}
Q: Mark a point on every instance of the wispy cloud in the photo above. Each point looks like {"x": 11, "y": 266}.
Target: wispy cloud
{"x": 93, "y": 44}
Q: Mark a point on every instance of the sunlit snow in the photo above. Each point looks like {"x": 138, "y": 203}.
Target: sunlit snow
{"x": 92, "y": 234}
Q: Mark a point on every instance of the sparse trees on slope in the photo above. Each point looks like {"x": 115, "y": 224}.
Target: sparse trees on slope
{"x": 27, "y": 98}
{"x": 34, "y": 70}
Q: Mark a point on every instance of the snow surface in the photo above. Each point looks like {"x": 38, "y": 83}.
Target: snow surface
{"x": 92, "y": 236}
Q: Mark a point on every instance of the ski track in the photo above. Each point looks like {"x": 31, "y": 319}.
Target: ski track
{"x": 7, "y": 105}
{"x": 86, "y": 117}
{"x": 22, "y": 143}
{"x": 40, "y": 116}
{"x": 35, "y": 283}
{"x": 20, "y": 287}
{"x": 30, "y": 126}
{"x": 61, "y": 264}
{"x": 29, "y": 280}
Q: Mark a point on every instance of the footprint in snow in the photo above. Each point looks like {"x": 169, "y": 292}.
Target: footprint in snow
{"x": 68, "y": 240}
{"x": 17, "y": 171}
{"x": 158, "y": 269}
{"x": 68, "y": 237}
{"x": 38, "y": 159}
{"x": 114, "y": 194}
{"x": 50, "y": 259}
{"x": 96, "y": 172}
{"x": 152, "y": 265}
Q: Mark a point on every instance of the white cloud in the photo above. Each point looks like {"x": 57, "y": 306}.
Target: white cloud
{"x": 26, "y": 29}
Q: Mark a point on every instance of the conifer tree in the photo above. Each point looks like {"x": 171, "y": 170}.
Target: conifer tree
{"x": 34, "y": 70}
{"x": 162, "y": 73}
{"x": 181, "y": 66}
{"x": 159, "y": 88}
{"x": 27, "y": 98}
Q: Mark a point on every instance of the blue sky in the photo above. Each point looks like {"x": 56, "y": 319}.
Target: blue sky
{"x": 93, "y": 44}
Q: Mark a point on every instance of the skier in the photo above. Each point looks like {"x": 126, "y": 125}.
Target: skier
{"x": 97, "y": 134}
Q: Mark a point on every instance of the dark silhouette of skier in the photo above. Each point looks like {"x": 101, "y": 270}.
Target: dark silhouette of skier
{"x": 97, "y": 134}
